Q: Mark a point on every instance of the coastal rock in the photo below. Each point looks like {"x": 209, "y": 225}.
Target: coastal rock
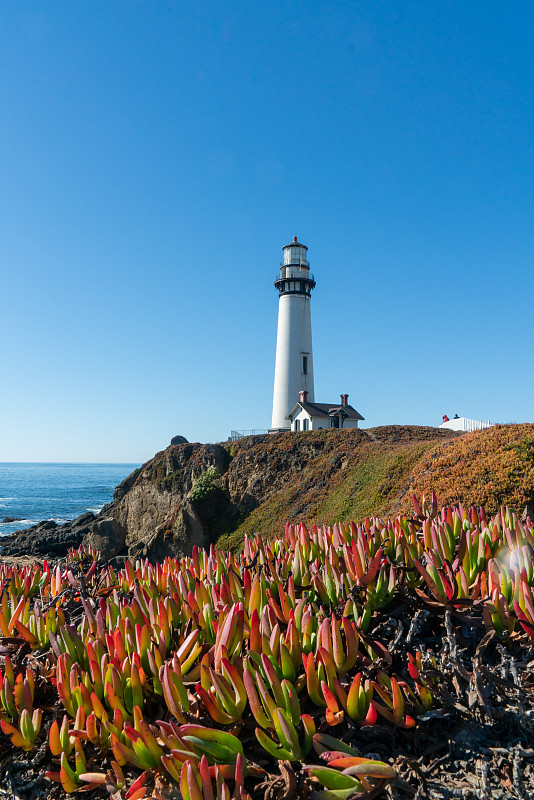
{"x": 10, "y": 519}
{"x": 47, "y": 539}
{"x": 107, "y": 536}
{"x": 84, "y": 519}
{"x": 156, "y": 511}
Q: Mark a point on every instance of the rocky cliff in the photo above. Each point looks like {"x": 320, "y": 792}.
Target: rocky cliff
{"x": 201, "y": 493}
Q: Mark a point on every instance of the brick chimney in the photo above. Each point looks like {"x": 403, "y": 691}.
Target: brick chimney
{"x": 344, "y": 399}
{"x": 303, "y": 396}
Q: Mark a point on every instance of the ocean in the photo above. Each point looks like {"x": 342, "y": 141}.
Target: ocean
{"x": 35, "y": 492}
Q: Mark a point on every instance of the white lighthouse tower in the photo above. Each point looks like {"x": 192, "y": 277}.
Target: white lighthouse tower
{"x": 294, "y": 358}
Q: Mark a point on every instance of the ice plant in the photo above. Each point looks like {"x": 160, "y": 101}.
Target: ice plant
{"x": 223, "y": 695}
{"x": 343, "y": 653}
{"x": 217, "y": 644}
{"x": 174, "y": 691}
{"x": 69, "y": 776}
{"x": 196, "y": 781}
{"x": 266, "y": 692}
{"x": 390, "y": 691}
{"x": 347, "y": 774}
{"x": 524, "y": 608}
{"x": 26, "y": 732}
{"x": 59, "y": 739}
{"x": 289, "y": 746}
{"x": 355, "y": 699}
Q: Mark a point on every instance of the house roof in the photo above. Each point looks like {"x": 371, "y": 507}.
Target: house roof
{"x": 326, "y": 410}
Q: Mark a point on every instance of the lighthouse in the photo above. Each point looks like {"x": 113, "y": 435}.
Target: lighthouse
{"x": 294, "y": 357}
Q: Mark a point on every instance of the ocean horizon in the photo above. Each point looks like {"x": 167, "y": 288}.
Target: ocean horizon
{"x": 33, "y": 491}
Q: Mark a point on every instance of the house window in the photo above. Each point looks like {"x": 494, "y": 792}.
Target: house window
{"x": 305, "y": 364}
{"x": 304, "y": 424}
{"x": 334, "y": 422}
{"x": 297, "y": 424}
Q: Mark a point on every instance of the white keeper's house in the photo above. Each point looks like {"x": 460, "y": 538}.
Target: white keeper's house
{"x": 294, "y": 406}
{"x": 306, "y": 416}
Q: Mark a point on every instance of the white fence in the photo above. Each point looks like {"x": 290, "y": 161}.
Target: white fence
{"x": 465, "y": 424}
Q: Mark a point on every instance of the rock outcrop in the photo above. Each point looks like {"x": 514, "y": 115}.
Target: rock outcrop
{"x": 195, "y": 494}
{"x": 179, "y": 440}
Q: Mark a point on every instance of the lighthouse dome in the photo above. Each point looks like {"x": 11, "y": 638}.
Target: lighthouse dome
{"x": 295, "y": 254}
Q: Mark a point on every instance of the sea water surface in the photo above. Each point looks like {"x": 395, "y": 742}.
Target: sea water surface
{"x": 35, "y": 492}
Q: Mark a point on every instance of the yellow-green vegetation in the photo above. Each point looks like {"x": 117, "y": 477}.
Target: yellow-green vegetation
{"x": 492, "y": 467}
{"x": 348, "y": 474}
{"x": 345, "y": 474}
{"x": 215, "y": 676}
{"x": 371, "y": 483}
{"x": 204, "y": 485}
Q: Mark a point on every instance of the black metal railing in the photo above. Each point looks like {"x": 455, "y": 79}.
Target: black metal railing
{"x": 235, "y": 435}
{"x": 308, "y": 277}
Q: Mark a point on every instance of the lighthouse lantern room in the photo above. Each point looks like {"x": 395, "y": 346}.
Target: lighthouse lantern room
{"x": 294, "y": 357}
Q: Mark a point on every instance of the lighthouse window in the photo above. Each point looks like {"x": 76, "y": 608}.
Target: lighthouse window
{"x": 305, "y": 364}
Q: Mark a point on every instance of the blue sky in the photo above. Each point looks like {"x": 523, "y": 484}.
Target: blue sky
{"x": 156, "y": 157}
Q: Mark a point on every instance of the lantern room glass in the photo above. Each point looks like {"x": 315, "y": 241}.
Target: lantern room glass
{"x": 295, "y": 255}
